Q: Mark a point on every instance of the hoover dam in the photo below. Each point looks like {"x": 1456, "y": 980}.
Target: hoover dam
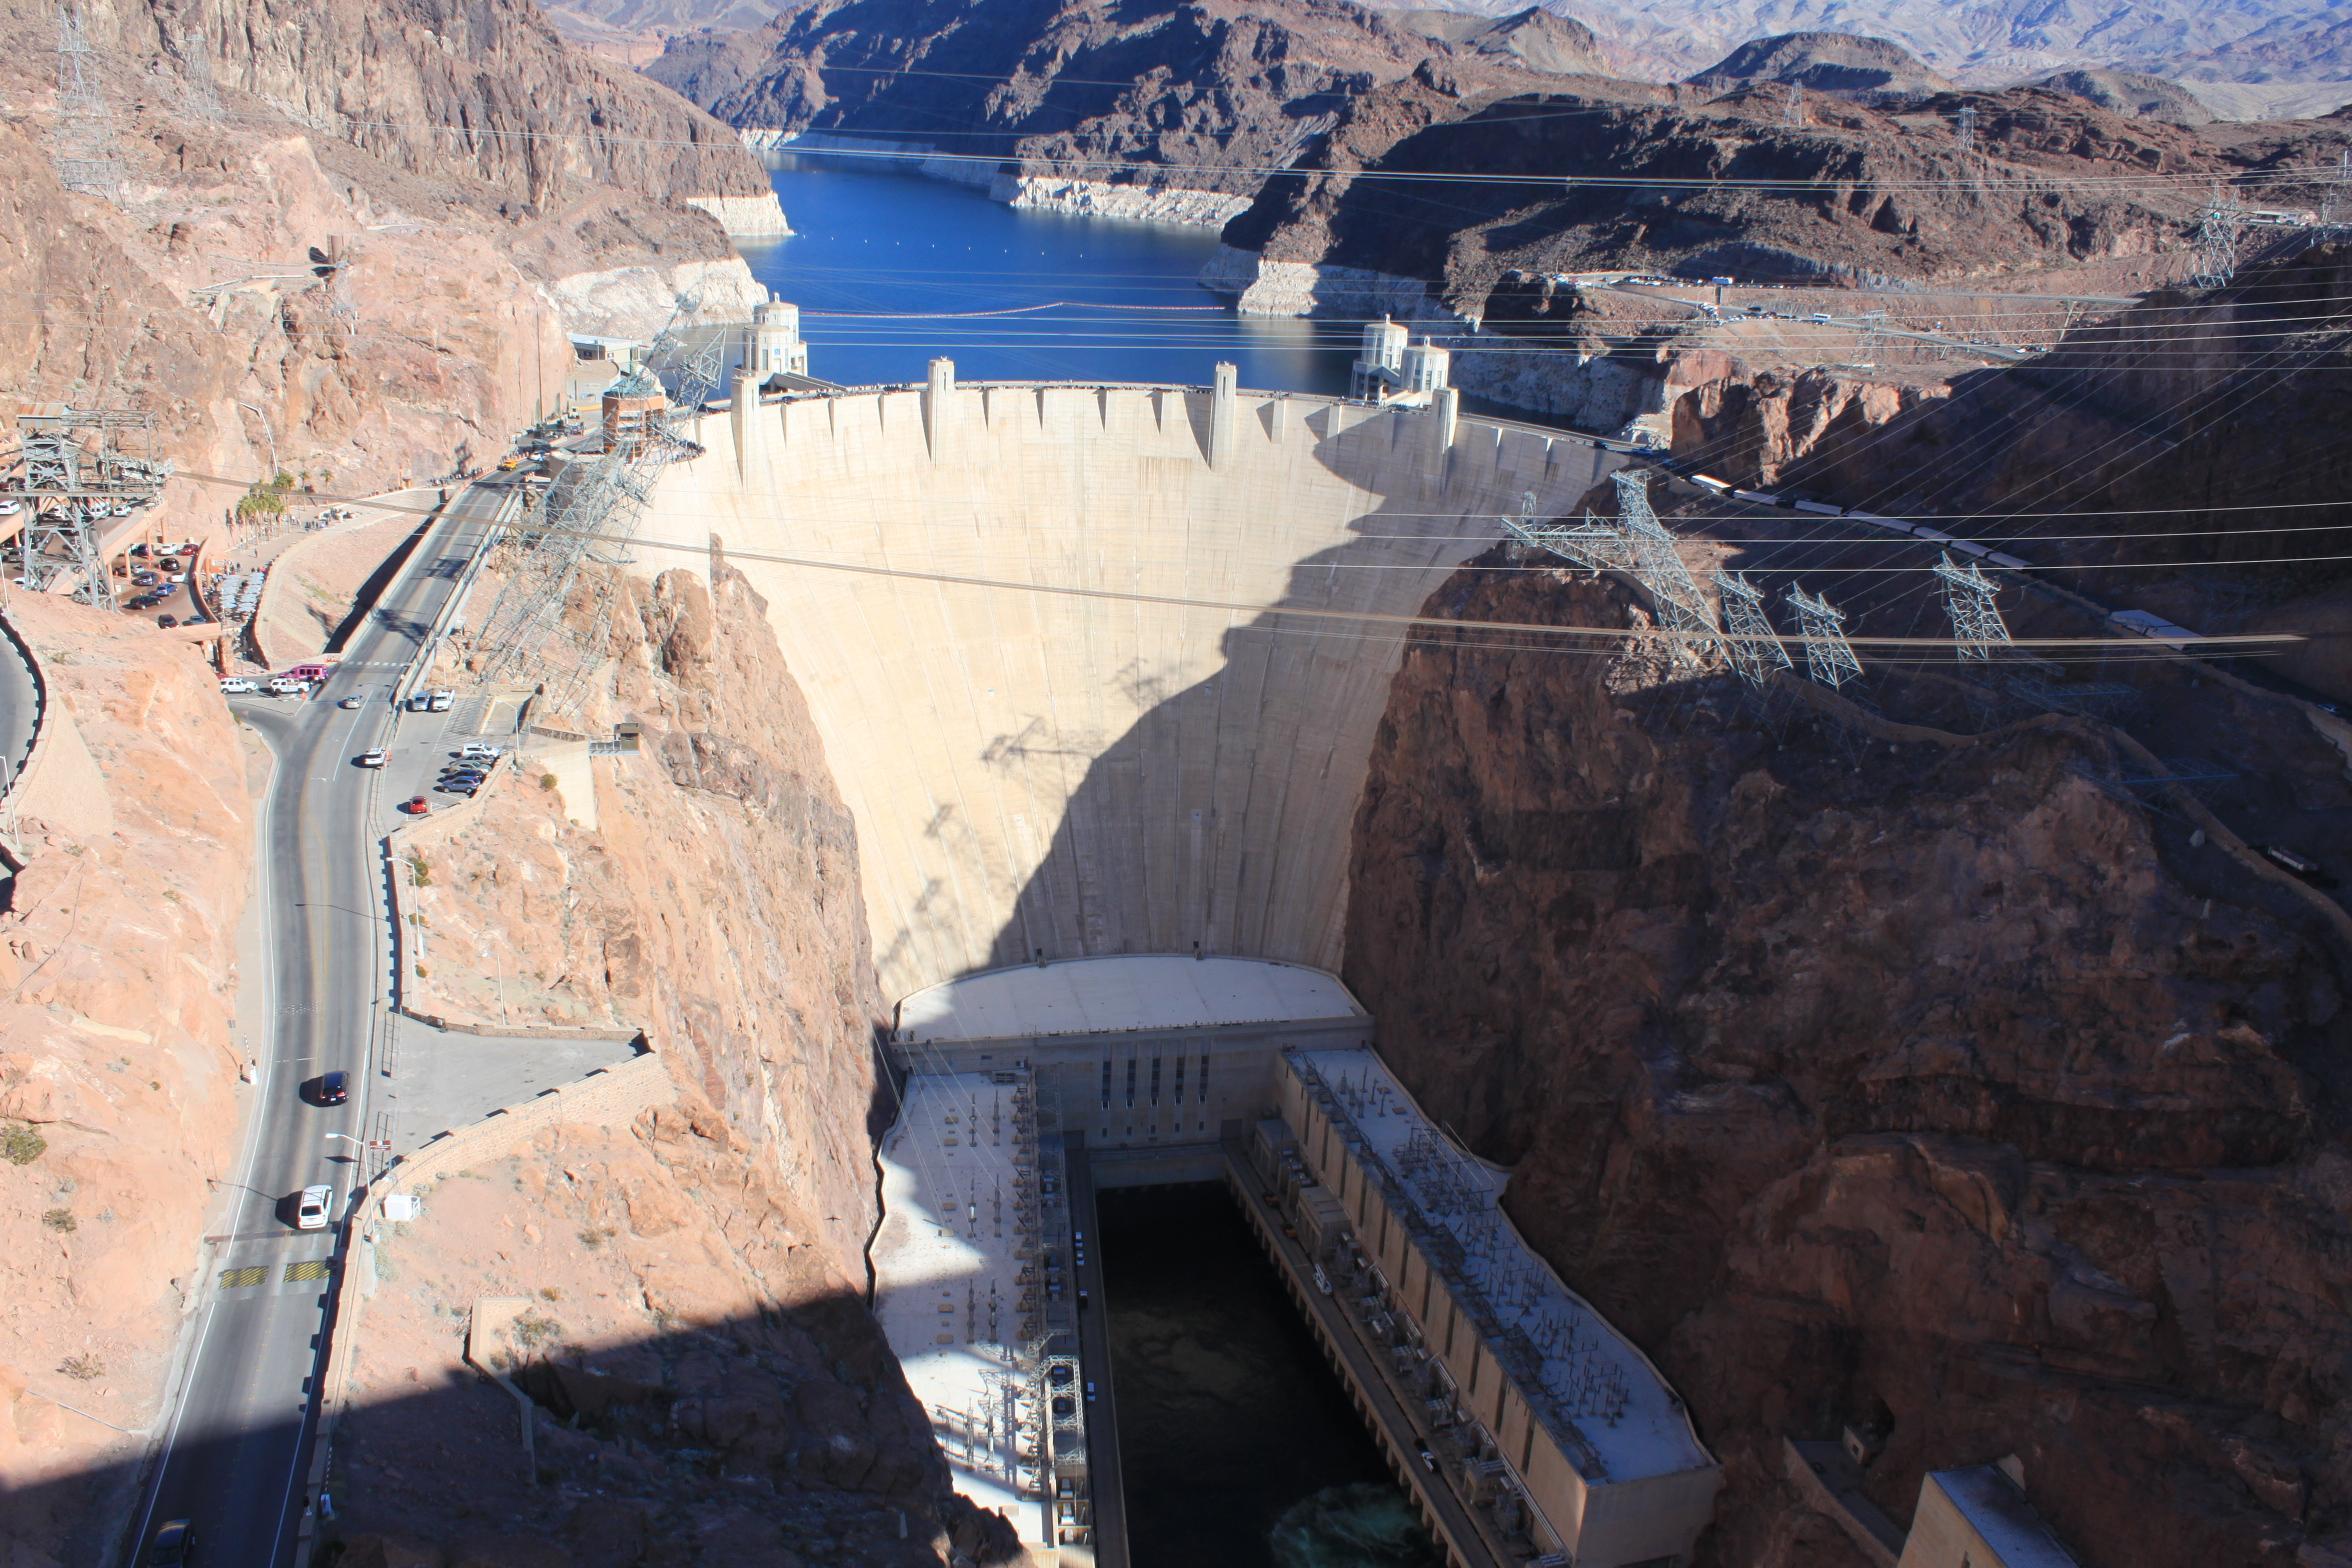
{"x": 1099, "y": 667}
{"x": 1099, "y": 670}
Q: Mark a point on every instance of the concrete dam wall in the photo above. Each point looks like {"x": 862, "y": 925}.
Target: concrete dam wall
{"x": 1124, "y": 763}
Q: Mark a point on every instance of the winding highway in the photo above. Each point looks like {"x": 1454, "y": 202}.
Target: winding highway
{"x": 236, "y": 1441}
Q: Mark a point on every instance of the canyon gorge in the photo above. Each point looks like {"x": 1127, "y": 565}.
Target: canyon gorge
{"x": 1947, "y": 1058}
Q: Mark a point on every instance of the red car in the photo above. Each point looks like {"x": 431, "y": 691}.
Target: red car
{"x": 416, "y": 805}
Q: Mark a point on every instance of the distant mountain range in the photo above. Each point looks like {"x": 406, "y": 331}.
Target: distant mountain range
{"x": 1984, "y": 42}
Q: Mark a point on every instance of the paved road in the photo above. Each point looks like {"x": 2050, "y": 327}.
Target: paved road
{"x": 236, "y": 1448}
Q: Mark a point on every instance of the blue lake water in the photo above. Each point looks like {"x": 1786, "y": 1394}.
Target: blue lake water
{"x": 888, "y": 268}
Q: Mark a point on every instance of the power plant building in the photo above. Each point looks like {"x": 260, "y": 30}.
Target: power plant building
{"x": 1565, "y": 1439}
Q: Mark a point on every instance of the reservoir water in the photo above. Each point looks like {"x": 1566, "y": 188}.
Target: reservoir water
{"x": 891, "y": 269}
{"x": 1240, "y": 1448}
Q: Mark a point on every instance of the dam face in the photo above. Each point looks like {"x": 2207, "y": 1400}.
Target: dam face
{"x": 1070, "y": 729}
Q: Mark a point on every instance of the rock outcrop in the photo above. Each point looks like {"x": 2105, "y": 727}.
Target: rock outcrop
{"x": 1865, "y": 1073}
{"x": 346, "y": 268}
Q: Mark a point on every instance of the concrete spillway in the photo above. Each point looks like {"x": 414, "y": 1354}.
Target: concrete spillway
{"x": 1115, "y": 764}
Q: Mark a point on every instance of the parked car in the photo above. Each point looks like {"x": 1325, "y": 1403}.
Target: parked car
{"x": 10, "y": 508}
{"x": 372, "y": 759}
{"x": 145, "y": 578}
{"x": 419, "y": 701}
{"x": 416, "y": 805}
{"x": 482, "y": 749}
{"x": 442, "y": 701}
{"x": 174, "y": 1545}
{"x": 238, "y": 685}
{"x": 287, "y": 686}
{"x": 330, "y": 1089}
{"x": 311, "y": 1205}
{"x": 167, "y": 620}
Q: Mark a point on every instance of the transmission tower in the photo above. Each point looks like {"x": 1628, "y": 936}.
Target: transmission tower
{"x": 1968, "y": 598}
{"x": 591, "y": 515}
{"x": 196, "y": 78}
{"x": 83, "y": 139}
{"x": 1592, "y": 544}
{"x": 74, "y": 475}
{"x": 1792, "y": 106}
{"x": 2217, "y": 241}
{"x": 1965, "y": 131}
{"x": 1829, "y": 658}
{"x": 1659, "y": 565}
{"x": 1755, "y": 648}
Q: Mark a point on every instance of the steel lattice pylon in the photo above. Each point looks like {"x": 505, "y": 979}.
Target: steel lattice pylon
{"x": 2217, "y": 241}
{"x": 73, "y": 486}
{"x": 196, "y": 77}
{"x": 83, "y": 139}
{"x": 1829, "y": 658}
{"x": 1968, "y": 599}
{"x": 1755, "y": 648}
{"x": 1658, "y": 564}
{"x": 591, "y": 516}
{"x": 1592, "y": 544}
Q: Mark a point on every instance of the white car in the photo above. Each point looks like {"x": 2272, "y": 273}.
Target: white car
{"x": 372, "y": 759}
{"x": 442, "y": 701}
{"x": 481, "y": 750}
{"x": 287, "y": 686}
{"x": 238, "y": 684}
{"x": 310, "y": 1208}
{"x": 10, "y": 508}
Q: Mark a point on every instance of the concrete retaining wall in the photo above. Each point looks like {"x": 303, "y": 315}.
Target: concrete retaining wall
{"x": 59, "y": 782}
{"x": 1076, "y": 729}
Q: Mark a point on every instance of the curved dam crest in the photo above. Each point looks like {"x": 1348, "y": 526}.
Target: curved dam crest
{"x": 1046, "y": 775}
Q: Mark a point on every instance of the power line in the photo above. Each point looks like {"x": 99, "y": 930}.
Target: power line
{"x": 2220, "y": 643}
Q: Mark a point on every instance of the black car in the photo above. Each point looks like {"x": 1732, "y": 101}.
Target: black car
{"x": 448, "y": 779}
{"x": 174, "y": 1545}
{"x": 330, "y": 1089}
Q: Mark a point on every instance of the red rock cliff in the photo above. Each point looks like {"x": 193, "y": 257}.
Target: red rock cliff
{"x": 1858, "y": 1073}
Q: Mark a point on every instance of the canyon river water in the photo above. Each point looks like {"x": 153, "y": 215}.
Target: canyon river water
{"x": 891, "y": 269}
{"x": 1240, "y": 1448}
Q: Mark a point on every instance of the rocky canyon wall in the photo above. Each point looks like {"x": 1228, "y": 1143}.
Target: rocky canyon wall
{"x": 715, "y": 904}
{"x": 714, "y": 1303}
{"x": 1865, "y": 1073}
{"x": 118, "y": 1064}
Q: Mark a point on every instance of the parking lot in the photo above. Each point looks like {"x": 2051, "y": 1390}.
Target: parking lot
{"x": 417, "y": 745}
